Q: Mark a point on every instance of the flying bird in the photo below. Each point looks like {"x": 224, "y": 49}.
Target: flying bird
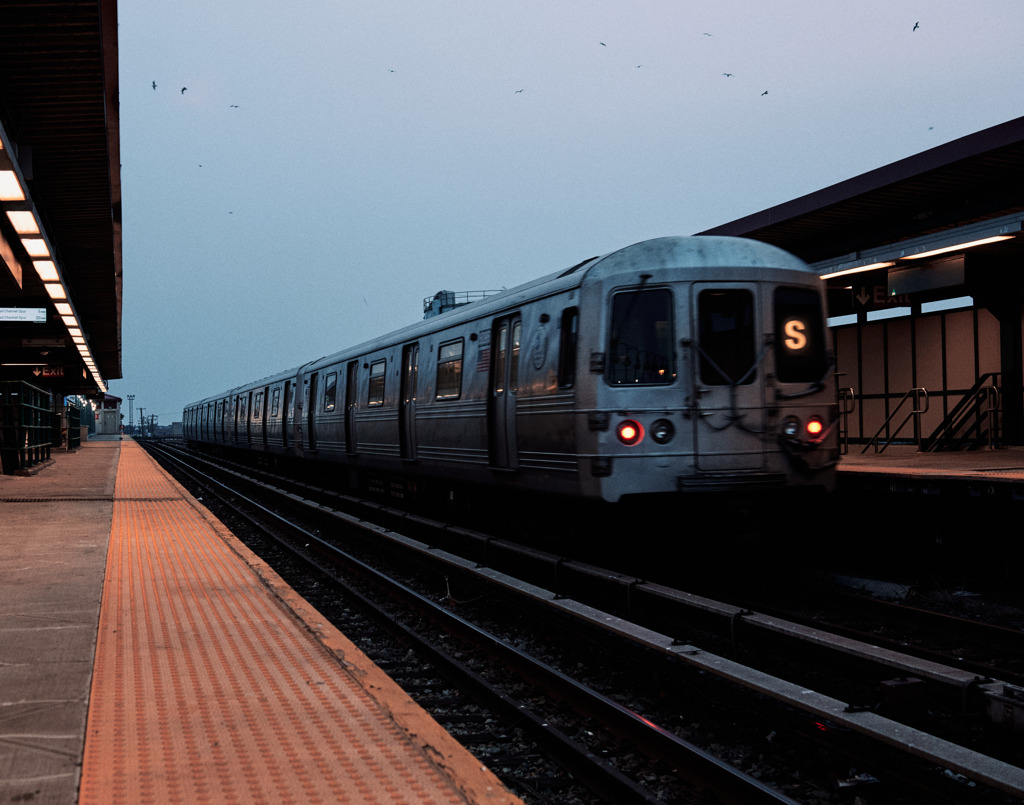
{"x": 602, "y": 44}
{"x": 517, "y": 92}
{"x": 764, "y": 93}
{"x": 234, "y": 106}
{"x": 916, "y": 26}
{"x": 727, "y": 75}
{"x": 183, "y": 90}
{"x": 154, "y": 85}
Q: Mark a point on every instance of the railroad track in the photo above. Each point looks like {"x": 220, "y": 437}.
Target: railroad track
{"x": 780, "y": 718}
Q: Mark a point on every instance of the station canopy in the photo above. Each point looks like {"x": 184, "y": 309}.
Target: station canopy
{"x": 941, "y": 222}
{"x": 60, "y": 195}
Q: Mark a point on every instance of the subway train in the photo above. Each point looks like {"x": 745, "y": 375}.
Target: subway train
{"x": 673, "y": 366}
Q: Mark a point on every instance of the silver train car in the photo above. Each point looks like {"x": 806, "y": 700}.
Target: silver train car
{"x": 675, "y": 365}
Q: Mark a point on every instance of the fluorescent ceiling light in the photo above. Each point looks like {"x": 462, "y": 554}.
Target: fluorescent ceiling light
{"x": 46, "y": 270}
{"x": 55, "y": 290}
{"x": 10, "y": 187}
{"x": 957, "y": 247}
{"x": 858, "y": 269}
{"x": 24, "y": 222}
{"x": 36, "y": 247}
{"x": 64, "y": 309}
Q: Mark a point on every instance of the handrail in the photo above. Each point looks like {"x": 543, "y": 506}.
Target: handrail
{"x": 915, "y": 413}
{"x": 982, "y": 402}
{"x": 847, "y": 405}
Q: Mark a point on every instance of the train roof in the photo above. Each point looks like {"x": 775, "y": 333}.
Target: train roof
{"x": 698, "y": 252}
{"x": 704, "y": 253}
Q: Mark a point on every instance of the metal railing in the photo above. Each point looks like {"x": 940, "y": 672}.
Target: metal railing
{"x": 973, "y": 422}
{"x": 918, "y": 398}
{"x": 847, "y": 405}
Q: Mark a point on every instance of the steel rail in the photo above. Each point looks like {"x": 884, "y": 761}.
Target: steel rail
{"x": 719, "y": 778}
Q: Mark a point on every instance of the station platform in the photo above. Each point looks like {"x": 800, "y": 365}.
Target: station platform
{"x": 147, "y": 656}
{"x": 994, "y": 472}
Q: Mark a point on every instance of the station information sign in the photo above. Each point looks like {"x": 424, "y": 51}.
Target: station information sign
{"x": 33, "y": 315}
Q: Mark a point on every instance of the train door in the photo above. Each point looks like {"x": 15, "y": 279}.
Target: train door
{"x": 263, "y": 415}
{"x": 247, "y": 412}
{"x": 407, "y": 401}
{"x": 286, "y": 413}
{"x": 309, "y": 399}
{"x": 235, "y": 407}
{"x": 506, "y": 337}
{"x": 728, "y": 380}
{"x": 350, "y": 407}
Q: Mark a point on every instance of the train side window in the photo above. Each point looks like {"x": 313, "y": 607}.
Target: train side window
{"x": 726, "y": 337}
{"x": 641, "y": 339}
{"x": 257, "y": 407}
{"x": 376, "y": 396}
{"x": 449, "y": 370}
{"x": 331, "y": 391}
{"x": 241, "y": 409}
{"x": 799, "y": 336}
{"x": 567, "y": 348}
{"x": 275, "y": 402}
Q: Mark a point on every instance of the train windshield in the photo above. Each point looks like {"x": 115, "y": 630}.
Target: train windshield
{"x": 726, "y": 333}
{"x": 640, "y": 345}
{"x": 801, "y": 354}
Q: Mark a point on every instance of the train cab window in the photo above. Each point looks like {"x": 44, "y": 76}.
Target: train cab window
{"x": 726, "y": 337}
{"x": 801, "y": 355}
{"x": 331, "y": 392}
{"x": 449, "y": 370}
{"x": 376, "y": 395}
{"x": 568, "y": 340}
{"x": 640, "y": 346}
{"x": 275, "y": 402}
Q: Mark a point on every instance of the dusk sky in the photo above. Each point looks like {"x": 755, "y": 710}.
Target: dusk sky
{"x": 304, "y": 174}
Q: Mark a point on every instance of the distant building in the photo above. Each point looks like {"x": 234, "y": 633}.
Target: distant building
{"x": 108, "y": 416}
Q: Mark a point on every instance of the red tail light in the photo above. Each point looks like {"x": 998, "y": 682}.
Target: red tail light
{"x": 630, "y": 432}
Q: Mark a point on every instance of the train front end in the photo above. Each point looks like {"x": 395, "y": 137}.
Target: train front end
{"x": 715, "y": 371}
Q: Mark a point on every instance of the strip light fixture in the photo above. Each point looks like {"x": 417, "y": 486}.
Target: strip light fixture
{"x": 931, "y": 245}
{"x": 23, "y": 216}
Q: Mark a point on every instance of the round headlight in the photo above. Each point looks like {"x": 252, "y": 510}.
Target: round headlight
{"x": 790, "y": 427}
{"x": 662, "y": 431}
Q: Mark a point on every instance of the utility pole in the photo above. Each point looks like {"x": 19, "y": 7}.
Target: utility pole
{"x": 142, "y": 422}
{"x": 131, "y": 414}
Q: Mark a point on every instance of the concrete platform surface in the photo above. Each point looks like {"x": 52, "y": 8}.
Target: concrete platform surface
{"x": 146, "y": 656}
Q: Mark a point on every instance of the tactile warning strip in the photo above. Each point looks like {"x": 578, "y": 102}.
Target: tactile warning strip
{"x": 207, "y": 689}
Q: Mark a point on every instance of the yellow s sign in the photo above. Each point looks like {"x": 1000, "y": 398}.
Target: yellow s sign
{"x": 796, "y": 337}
